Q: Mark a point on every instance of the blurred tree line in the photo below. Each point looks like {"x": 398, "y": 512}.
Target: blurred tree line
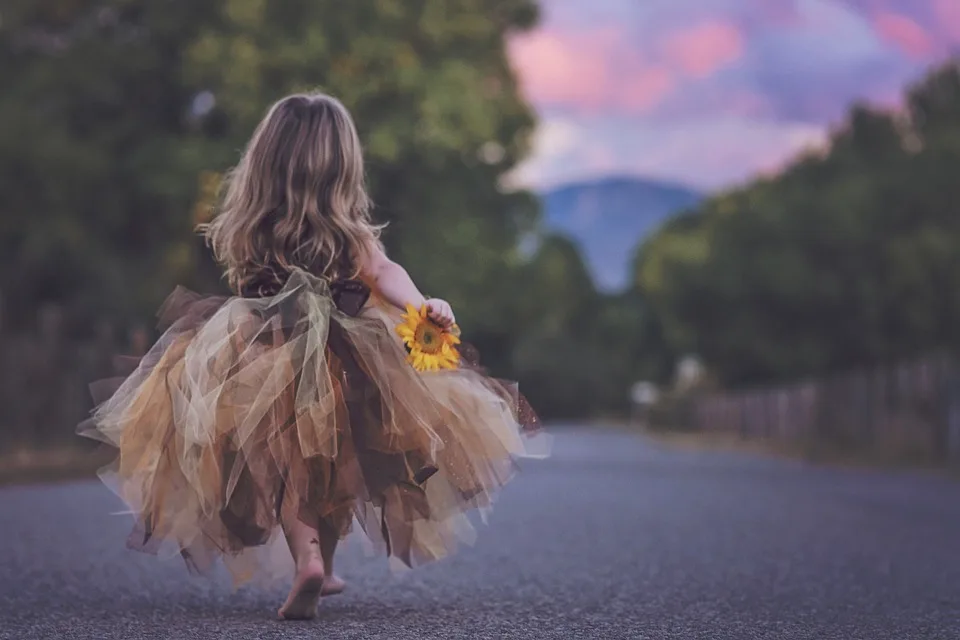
{"x": 118, "y": 115}
{"x": 117, "y": 118}
{"x": 851, "y": 257}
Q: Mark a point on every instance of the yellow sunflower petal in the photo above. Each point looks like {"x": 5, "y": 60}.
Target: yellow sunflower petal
{"x": 417, "y": 362}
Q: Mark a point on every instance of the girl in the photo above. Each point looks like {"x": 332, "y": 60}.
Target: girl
{"x": 291, "y": 406}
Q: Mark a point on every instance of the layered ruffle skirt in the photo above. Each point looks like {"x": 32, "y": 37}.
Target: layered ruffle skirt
{"x": 250, "y": 410}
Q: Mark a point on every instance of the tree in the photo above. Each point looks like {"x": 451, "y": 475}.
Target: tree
{"x": 848, "y": 258}
{"x": 554, "y": 311}
{"x": 436, "y": 103}
{"x": 124, "y": 109}
{"x": 94, "y": 184}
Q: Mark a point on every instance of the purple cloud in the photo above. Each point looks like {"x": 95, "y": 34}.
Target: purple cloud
{"x": 728, "y": 66}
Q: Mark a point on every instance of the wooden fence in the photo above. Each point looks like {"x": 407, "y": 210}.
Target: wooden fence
{"x": 45, "y": 378}
{"x": 907, "y": 412}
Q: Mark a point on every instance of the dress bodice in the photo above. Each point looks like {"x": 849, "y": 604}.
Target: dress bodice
{"x": 348, "y": 294}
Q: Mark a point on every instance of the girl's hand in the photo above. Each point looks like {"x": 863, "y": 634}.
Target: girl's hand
{"x": 440, "y": 312}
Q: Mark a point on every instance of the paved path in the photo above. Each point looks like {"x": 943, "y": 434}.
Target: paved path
{"x": 614, "y": 537}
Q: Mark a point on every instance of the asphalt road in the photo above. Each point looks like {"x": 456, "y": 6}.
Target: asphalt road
{"x": 614, "y": 537}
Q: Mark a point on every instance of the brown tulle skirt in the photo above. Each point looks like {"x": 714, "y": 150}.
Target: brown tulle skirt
{"x": 249, "y": 410}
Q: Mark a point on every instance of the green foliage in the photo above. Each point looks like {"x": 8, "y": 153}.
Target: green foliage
{"x": 436, "y": 104}
{"x": 93, "y": 181}
{"x": 114, "y": 112}
{"x": 118, "y": 116}
{"x": 849, "y": 258}
{"x": 579, "y": 351}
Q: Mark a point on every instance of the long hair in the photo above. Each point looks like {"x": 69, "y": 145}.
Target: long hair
{"x": 297, "y": 197}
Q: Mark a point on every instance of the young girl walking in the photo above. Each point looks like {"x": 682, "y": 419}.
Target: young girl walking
{"x": 293, "y": 407}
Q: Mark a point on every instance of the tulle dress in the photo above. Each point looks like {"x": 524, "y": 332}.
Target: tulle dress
{"x": 297, "y": 398}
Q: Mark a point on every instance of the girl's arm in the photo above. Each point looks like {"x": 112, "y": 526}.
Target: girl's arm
{"x": 392, "y": 283}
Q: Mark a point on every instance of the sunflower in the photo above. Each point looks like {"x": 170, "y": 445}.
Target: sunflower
{"x": 429, "y": 346}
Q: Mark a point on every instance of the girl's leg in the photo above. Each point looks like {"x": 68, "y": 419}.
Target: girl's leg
{"x": 304, "y": 543}
{"x": 329, "y": 537}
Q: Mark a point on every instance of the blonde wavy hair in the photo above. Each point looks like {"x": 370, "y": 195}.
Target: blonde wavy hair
{"x": 296, "y": 199}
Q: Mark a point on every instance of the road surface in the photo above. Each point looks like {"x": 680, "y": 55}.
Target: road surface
{"x": 614, "y": 537}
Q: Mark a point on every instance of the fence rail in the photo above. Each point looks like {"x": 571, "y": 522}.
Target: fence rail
{"x": 910, "y": 411}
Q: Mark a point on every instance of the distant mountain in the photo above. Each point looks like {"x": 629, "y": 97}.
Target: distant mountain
{"x": 609, "y": 217}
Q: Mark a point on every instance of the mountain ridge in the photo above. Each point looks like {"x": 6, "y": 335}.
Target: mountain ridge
{"x": 608, "y": 217}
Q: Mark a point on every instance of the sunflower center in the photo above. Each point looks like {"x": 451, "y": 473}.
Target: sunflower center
{"x": 428, "y": 338}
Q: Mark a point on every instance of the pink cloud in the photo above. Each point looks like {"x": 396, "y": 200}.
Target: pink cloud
{"x": 551, "y": 72}
{"x": 921, "y": 28}
{"x": 647, "y": 88}
{"x": 905, "y": 33}
{"x": 588, "y": 71}
{"x": 701, "y": 50}
{"x": 947, "y": 13}
{"x": 746, "y": 102}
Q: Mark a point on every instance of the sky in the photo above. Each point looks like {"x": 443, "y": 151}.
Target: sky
{"x": 709, "y": 93}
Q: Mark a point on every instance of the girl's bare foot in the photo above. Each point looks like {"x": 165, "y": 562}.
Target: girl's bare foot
{"x": 307, "y": 587}
{"x": 333, "y": 585}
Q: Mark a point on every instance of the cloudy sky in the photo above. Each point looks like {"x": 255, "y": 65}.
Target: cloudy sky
{"x": 710, "y": 92}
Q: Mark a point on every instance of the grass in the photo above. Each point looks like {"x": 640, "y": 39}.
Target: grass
{"x": 700, "y": 441}
{"x": 816, "y": 452}
{"x": 29, "y": 466}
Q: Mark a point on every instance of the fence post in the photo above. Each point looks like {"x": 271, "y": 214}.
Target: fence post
{"x": 950, "y": 388}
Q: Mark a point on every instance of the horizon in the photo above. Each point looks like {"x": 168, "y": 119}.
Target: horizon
{"x": 665, "y": 183}
{"x": 712, "y": 97}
